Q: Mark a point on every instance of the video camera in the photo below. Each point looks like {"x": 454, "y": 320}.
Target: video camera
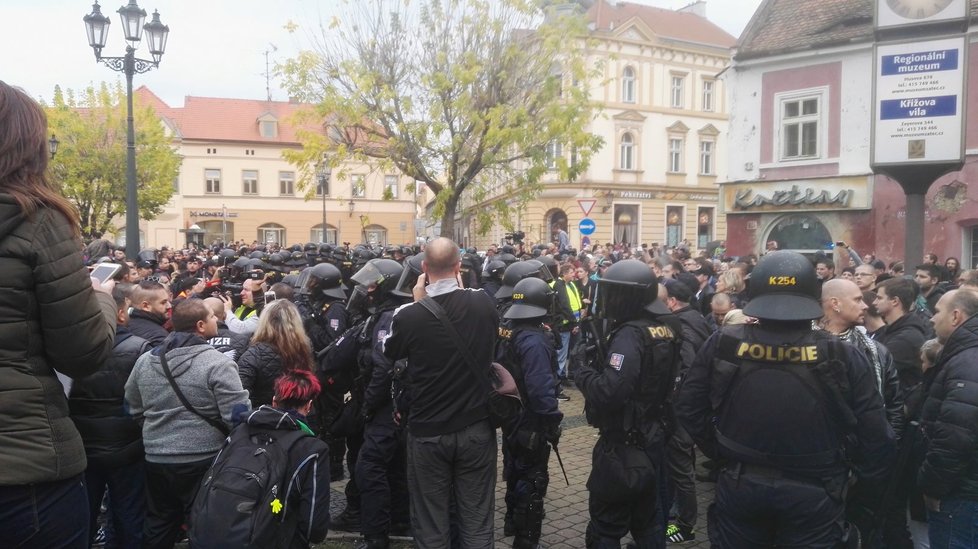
{"x": 516, "y": 237}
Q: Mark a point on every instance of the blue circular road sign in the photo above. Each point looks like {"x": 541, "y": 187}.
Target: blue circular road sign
{"x": 587, "y": 226}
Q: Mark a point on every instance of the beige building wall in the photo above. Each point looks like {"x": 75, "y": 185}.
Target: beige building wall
{"x": 653, "y": 190}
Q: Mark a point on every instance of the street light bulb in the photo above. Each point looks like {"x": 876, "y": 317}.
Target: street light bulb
{"x": 133, "y": 18}
{"x": 97, "y": 27}
{"x": 156, "y": 33}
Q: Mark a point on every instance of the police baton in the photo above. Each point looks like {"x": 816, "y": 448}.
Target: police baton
{"x": 561, "y": 463}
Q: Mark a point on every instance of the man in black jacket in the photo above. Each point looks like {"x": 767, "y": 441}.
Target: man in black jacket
{"x": 113, "y": 440}
{"x": 150, "y": 304}
{"x": 905, "y": 330}
{"x": 451, "y": 446}
{"x": 948, "y": 477}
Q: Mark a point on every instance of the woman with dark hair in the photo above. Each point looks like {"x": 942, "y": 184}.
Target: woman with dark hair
{"x": 52, "y": 320}
{"x": 280, "y": 344}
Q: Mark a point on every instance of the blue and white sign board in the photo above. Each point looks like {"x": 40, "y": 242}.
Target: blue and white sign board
{"x": 587, "y": 226}
{"x": 920, "y": 102}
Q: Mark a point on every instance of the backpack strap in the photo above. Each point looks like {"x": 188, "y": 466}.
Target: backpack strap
{"x": 217, "y": 424}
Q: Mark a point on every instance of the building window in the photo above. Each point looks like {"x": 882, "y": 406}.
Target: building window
{"x": 322, "y": 186}
{"x": 573, "y": 157}
{"x": 268, "y": 128}
{"x": 286, "y": 183}
{"x": 675, "y": 155}
{"x": 674, "y": 225}
{"x": 627, "y": 152}
{"x": 176, "y": 184}
{"x": 249, "y": 182}
{"x": 212, "y": 181}
{"x": 973, "y": 248}
{"x": 554, "y": 151}
{"x": 800, "y": 128}
{"x": 678, "y": 91}
{"x": 390, "y": 186}
{"x": 359, "y": 188}
{"x": 628, "y": 85}
{"x": 376, "y": 235}
{"x": 708, "y": 95}
{"x": 271, "y": 233}
{"x": 316, "y": 234}
{"x": 706, "y": 157}
{"x": 626, "y": 224}
{"x": 704, "y": 227}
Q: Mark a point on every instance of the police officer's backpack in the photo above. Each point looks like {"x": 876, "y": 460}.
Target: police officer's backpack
{"x": 242, "y": 500}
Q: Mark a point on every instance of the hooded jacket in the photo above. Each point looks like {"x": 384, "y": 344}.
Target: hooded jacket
{"x": 52, "y": 319}
{"x": 207, "y": 378}
{"x": 950, "y": 419}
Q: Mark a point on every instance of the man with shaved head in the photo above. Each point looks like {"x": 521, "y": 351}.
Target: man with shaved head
{"x": 845, "y": 312}
{"x": 448, "y": 337}
{"x": 230, "y": 343}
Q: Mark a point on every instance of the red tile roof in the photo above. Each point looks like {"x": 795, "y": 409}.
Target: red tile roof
{"x": 675, "y": 25}
{"x": 222, "y": 119}
{"x": 783, "y": 26}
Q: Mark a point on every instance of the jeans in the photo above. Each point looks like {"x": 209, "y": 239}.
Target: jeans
{"x": 462, "y": 464}
{"x": 127, "y": 501}
{"x": 562, "y": 354}
{"x": 46, "y": 515}
{"x": 955, "y": 526}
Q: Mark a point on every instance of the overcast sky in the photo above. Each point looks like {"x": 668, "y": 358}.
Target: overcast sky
{"x": 216, "y": 47}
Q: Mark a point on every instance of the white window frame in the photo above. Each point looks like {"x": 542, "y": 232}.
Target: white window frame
{"x": 708, "y": 95}
{"x": 245, "y": 179}
{"x": 554, "y": 151}
{"x": 628, "y": 77}
{"x": 819, "y": 118}
{"x": 677, "y": 91}
{"x": 682, "y": 224}
{"x": 676, "y": 154}
{"x": 268, "y": 128}
{"x": 392, "y": 182}
{"x": 626, "y": 149}
{"x": 358, "y": 186}
{"x": 286, "y": 183}
{"x": 212, "y": 185}
{"x": 316, "y": 234}
{"x": 708, "y": 151}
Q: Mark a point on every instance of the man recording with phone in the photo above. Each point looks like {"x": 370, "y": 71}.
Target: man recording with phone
{"x": 244, "y": 319}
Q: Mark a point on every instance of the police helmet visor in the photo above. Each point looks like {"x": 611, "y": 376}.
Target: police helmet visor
{"x": 409, "y": 277}
{"x": 368, "y": 275}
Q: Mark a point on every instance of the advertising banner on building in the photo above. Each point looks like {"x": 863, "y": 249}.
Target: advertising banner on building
{"x": 919, "y": 102}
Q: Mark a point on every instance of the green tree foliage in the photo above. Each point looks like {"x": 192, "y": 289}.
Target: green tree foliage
{"x": 464, "y": 96}
{"x": 90, "y": 166}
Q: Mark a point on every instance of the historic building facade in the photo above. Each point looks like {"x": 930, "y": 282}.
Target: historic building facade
{"x": 801, "y": 108}
{"x": 664, "y": 122}
{"x": 234, "y": 183}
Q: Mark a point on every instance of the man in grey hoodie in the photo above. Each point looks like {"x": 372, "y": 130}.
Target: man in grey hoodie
{"x": 181, "y": 442}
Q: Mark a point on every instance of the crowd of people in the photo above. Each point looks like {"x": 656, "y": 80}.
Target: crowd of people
{"x": 834, "y": 396}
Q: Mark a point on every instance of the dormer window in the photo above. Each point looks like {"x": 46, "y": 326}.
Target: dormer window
{"x": 268, "y": 126}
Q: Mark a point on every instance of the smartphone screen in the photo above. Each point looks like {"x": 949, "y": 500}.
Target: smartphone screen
{"x": 269, "y": 297}
{"x": 105, "y": 271}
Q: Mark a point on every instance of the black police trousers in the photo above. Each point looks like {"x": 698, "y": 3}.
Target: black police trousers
{"x": 382, "y": 475}
{"x": 756, "y": 508}
{"x": 527, "y": 477}
{"x": 611, "y": 521}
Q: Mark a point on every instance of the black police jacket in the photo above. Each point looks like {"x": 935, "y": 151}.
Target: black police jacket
{"x": 753, "y": 395}
{"x": 112, "y": 437}
{"x": 950, "y": 419}
{"x": 628, "y": 393}
{"x": 377, "y": 369}
{"x": 527, "y": 351}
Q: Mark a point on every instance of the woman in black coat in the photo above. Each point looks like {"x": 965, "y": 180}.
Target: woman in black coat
{"x": 279, "y": 344}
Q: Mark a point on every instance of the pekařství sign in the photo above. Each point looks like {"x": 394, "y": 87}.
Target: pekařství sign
{"x": 919, "y": 102}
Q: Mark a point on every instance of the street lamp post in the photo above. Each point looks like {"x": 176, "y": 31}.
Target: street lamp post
{"x": 323, "y": 171}
{"x": 53, "y": 145}
{"x": 97, "y": 26}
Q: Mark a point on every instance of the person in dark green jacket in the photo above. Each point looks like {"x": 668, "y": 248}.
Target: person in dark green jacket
{"x": 52, "y": 319}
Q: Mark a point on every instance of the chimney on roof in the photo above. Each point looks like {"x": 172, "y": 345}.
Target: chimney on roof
{"x": 697, "y": 8}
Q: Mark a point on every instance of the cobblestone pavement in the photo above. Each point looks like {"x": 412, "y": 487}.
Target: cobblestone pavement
{"x": 566, "y": 506}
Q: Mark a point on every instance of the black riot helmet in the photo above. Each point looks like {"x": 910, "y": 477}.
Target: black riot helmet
{"x": 495, "y": 270}
{"x": 627, "y": 289}
{"x": 507, "y": 258}
{"x": 382, "y": 273}
{"x": 517, "y": 272}
{"x": 146, "y": 259}
{"x": 551, "y": 264}
{"x": 532, "y": 298}
{"x": 784, "y": 287}
{"x": 412, "y": 270}
{"x": 326, "y": 280}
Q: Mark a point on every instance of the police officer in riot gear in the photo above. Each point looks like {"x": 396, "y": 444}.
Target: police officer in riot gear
{"x": 526, "y": 349}
{"x": 783, "y": 408}
{"x": 381, "y": 473}
{"x": 494, "y": 277}
{"x": 626, "y": 399}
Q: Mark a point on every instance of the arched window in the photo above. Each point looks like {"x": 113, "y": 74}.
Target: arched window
{"x": 628, "y": 85}
{"x": 316, "y": 234}
{"x": 627, "y": 152}
{"x": 271, "y": 233}
{"x": 375, "y": 235}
